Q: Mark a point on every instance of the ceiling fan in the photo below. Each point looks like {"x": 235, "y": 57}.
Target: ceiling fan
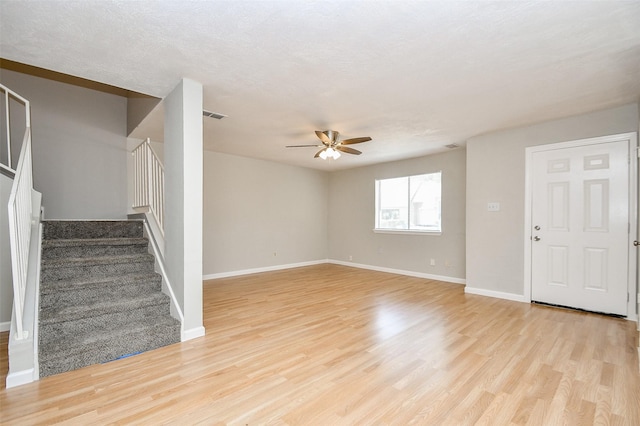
{"x": 332, "y": 146}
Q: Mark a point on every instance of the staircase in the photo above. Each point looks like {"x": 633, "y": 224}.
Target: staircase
{"x": 100, "y": 298}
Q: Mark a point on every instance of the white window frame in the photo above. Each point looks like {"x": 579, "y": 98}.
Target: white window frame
{"x": 408, "y": 231}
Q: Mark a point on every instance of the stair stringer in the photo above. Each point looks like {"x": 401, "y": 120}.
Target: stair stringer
{"x": 156, "y": 248}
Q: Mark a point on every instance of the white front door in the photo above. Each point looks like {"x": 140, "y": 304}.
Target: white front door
{"x": 580, "y": 227}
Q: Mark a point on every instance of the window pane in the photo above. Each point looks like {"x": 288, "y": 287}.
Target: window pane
{"x": 409, "y": 203}
{"x": 392, "y": 202}
{"x": 425, "y": 196}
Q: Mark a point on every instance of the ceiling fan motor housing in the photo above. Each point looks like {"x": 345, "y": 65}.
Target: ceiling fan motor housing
{"x": 332, "y": 135}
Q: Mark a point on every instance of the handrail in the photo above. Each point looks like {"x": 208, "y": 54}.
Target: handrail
{"x": 20, "y": 213}
{"x": 7, "y": 165}
{"x": 148, "y": 182}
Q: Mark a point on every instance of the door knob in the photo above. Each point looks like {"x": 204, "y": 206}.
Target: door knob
{"x": 537, "y": 228}
{"x": 536, "y": 238}
{"x": 636, "y": 243}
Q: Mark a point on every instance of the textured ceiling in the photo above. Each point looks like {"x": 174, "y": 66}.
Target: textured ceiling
{"x": 413, "y": 75}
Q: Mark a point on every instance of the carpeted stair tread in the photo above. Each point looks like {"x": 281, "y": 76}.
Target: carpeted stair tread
{"x": 98, "y": 324}
{"x": 82, "y": 282}
{"x": 108, "y": 347}
{"x": 91, "y": 296}
{"x": 52, "y": 249}
{"x": 85, "y": 337}
{"x": 64, "y": 313}
{"x": 100, "y": 260}
{"x": 58, "y": 334}
{"x": 71, "y": 268}
{"x": 94, "y": 242}
{"x": 71, "y": 229}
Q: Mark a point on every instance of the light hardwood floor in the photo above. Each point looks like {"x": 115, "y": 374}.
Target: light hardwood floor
{"x": 332, "y": 345}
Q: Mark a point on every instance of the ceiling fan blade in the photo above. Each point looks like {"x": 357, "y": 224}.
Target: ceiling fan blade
{"x": 318, "y": 153}
{"x": 355, "y": 140}
{"x": 348, "y": 150}
{"x": 302, "y": 146}
{"x": 323, "y": 137}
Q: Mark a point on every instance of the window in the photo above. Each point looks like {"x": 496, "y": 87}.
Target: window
{"x": 409, "y": 203}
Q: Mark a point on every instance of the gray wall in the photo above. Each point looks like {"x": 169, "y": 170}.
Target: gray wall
{"x": 255, "y": 208}
{"x": 351, "y": 219}
{"x": 79, "y": 147}
{"x": 496, "y": 172}
{"x": 138, "y": 107}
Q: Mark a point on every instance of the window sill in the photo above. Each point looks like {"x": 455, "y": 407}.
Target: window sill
{"x": 406, "y": 232}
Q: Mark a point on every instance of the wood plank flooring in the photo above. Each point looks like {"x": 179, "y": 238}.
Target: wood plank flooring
{"x": 332, "y": 345}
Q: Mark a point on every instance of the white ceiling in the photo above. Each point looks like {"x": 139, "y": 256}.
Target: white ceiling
{"x": 413, "y": 75}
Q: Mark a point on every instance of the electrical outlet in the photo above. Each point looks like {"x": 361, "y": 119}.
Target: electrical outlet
{"x": 493, "y": 207}
{"x": 350, "y": 257}
{"x": 432, "y": 262}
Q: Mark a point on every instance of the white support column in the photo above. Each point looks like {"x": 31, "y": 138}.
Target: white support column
{"x": 183, "y": 196}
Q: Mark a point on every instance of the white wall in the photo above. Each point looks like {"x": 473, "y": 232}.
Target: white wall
{"x": 6, "y": 289}
{"x": 79, "y": 147}
{"x": 351, "y": 219}
{"x": 183, "y": 201}
{"x": 496, "y": 172}
{"x": 255, "y": 208}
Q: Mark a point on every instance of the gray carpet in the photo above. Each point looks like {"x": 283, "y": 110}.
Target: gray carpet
{"x": 100, "y": 298}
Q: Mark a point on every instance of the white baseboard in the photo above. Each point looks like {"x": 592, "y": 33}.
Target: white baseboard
{"x": 337, "y": 262}
{"x": 5, "y": 326}
{"x": 496, "y": 294}
{"x": 264, "y": 269}
{"x": 401, "y": 272}
{"x": 192, "y": 333}
{"x": 19, "y": 378}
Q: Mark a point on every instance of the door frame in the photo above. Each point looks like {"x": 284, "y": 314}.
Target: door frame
{"x": 632, "y": 290}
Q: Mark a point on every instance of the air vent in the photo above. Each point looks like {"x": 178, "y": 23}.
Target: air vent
{"x": 452, "y": 146}
{"x": 215, "y": 115}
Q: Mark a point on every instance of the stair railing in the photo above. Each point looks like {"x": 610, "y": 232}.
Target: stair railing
{"x": 20, "y": 213}
{"x": 148, "y": 182}
{"x": 8, "y": 134}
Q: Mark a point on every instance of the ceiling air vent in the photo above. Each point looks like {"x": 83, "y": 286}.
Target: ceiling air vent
{"x": 210, "y": 114}
{"x": 452, "y": 146}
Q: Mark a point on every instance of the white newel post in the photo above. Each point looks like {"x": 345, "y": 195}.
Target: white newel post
{"x": 183, "y": 201}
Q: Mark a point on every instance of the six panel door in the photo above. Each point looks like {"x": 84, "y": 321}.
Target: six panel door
{"x": 580, "y": 220}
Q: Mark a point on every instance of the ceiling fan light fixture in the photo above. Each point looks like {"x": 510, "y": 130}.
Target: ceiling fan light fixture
{"x": 331, "y": 145}
{"x": 330, "y": 153}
